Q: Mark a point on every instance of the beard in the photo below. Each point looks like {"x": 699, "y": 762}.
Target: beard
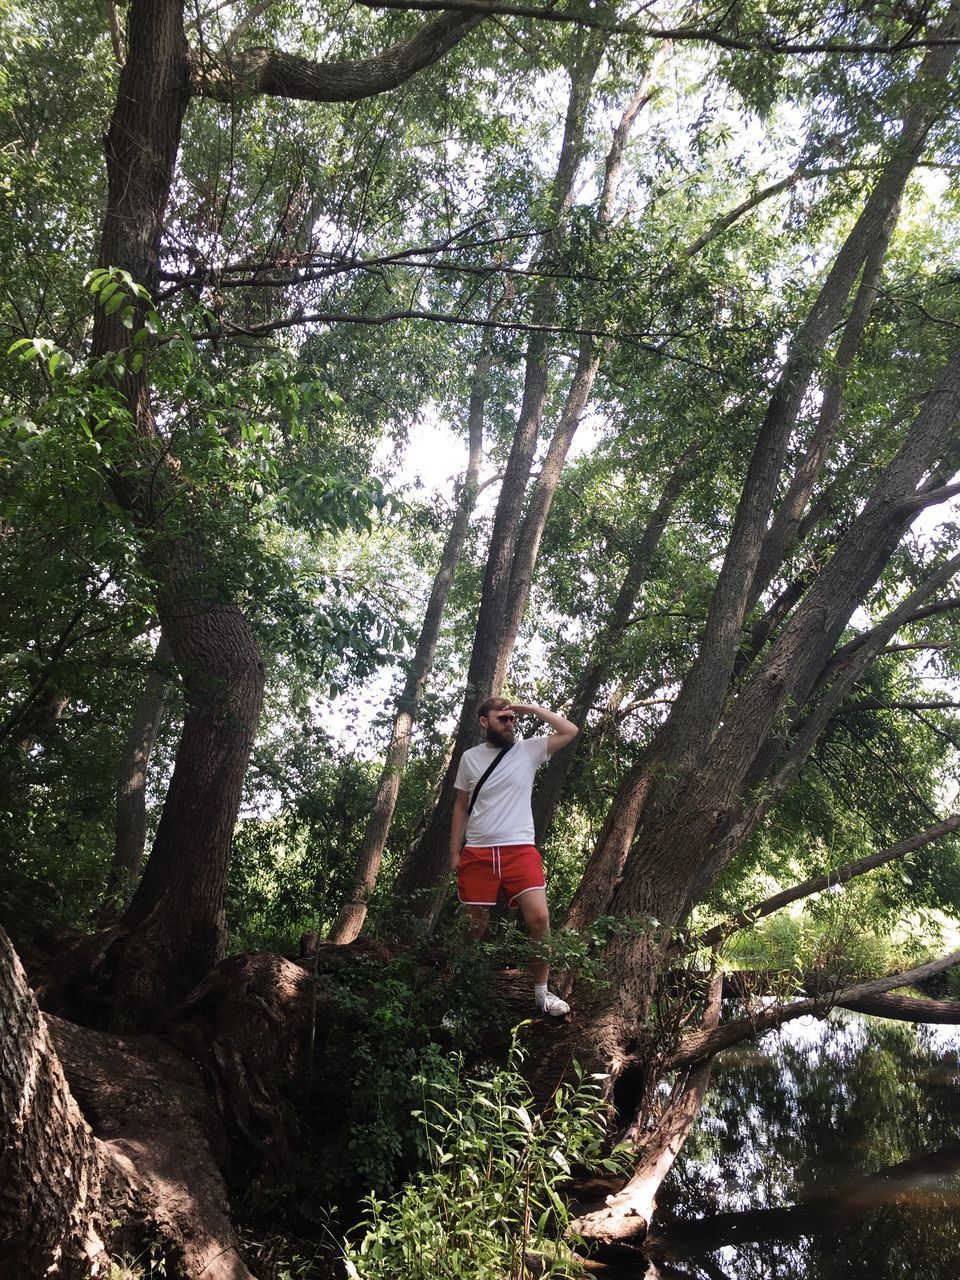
{"x": 500, "y": 737}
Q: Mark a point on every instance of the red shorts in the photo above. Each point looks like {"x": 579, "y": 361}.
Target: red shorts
{"x": 483, "y": 870}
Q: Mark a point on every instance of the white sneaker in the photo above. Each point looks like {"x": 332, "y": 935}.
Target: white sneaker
{"x": 553, "y": 1006}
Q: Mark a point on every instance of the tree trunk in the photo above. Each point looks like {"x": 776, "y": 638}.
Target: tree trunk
{"x": 656, "y": 883}
{"x": 603, "y": 650}
{"x": 352, "y": 914}
{"x": 118, "y": 1140}
{"x": 627, "y": 1214}
{"x": 54, "y": 1178}
{"x": 523, "y": 562}
{"x": 667, "y": 786}
{"x": 174, "y": 925}
{"x": 130, "y": 824}
{"x": 839, "y": 676}
{"x": 524, "y": 559}
{"x": 173, "y": 929}
{"x": 786, "y": 522}
{"x": 424, "y": 865}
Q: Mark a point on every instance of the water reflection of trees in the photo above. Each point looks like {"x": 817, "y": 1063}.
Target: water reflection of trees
{"x": 782, "y": 1174}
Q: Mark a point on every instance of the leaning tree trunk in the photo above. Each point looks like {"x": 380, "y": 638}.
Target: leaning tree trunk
{"x": 603, "y": 650}
{"x": 664, "y": 840}
{"x": 627, "y": 1214}
{"x": 786, "y": 522}
{"x": 353, "y": 913}
{"x": 672, "y": 761}
{"x": 423, "y": 867}
{"x": 130, "y": 819}
{"x": 660, "y": 884}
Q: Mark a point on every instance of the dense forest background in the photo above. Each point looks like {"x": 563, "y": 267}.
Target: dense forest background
{"x": 362, "y": 360}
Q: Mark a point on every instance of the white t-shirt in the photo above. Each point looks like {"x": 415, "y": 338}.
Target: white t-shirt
{"x": 502, "y": 814}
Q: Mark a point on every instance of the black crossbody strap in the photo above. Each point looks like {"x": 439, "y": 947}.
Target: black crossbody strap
{"x": 490, "y": 768}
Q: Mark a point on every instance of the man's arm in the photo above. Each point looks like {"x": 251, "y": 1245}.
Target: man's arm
{"x": 458, "y": 826}
{"x": 564, "y": 730}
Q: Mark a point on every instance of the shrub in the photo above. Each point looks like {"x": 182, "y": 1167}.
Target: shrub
{"x": 489, "y": 1198}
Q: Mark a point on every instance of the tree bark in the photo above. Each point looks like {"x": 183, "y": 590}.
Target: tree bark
{"x": 111, "y": 1140}
{"x": 53, "y": 1175}
{"x": 699, "y": 706}
{"x": 839, "y": 677}
{"x": 284, "y": 75}
{"x": 523, "y": 562}
{"x": 704, "y": 804}
{"x": 786, "y": 521}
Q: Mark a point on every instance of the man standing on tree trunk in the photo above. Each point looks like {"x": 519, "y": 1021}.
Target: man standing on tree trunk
{"x": 491, "y": 840}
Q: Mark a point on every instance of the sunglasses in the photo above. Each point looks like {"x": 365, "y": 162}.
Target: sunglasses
{"x": 505, "y": 719}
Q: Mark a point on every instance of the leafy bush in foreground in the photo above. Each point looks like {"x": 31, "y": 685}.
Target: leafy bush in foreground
{"x": 490, "y": 1196}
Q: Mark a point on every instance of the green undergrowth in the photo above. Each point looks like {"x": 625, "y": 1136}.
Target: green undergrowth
{"x": 488, "y": 1200}
{"x": 388, "y": 1027}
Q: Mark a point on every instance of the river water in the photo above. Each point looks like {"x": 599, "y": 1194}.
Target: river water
{"x": 828, "y": 1150}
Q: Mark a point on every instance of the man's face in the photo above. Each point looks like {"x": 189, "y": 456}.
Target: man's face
{"x": 498, "y": 726}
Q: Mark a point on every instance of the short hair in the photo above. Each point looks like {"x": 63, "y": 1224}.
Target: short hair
{"x": 491, "y": 704}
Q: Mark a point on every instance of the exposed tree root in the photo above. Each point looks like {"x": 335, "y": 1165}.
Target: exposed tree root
{"x": 153, "y": 1117}
{"x": 162, "y": 1120}
{"x": 101, "y": 1133}
{"x": 627, "y": 1214}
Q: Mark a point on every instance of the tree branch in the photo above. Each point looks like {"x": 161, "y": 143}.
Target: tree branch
{"x": 321, "y": 266}
{"x": 702, "y": 35}
{"x": 906, "y": 1008}
{"x": 285, "y": 75}
{"x": 244, "y": 24}
{"x": 930, "y": 497}
{"x": 640, "y": 340}
{"x": 847, "y": 651}
{"x": 845, "y": 667}
{"x": 116, "y": 35}
{"x": 840, "y": 875}
{"x": 701, "y": 1044}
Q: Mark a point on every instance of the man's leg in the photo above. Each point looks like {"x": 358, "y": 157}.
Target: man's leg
{"x": 475, "y": 923}
{"x": 536, "y": 916}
